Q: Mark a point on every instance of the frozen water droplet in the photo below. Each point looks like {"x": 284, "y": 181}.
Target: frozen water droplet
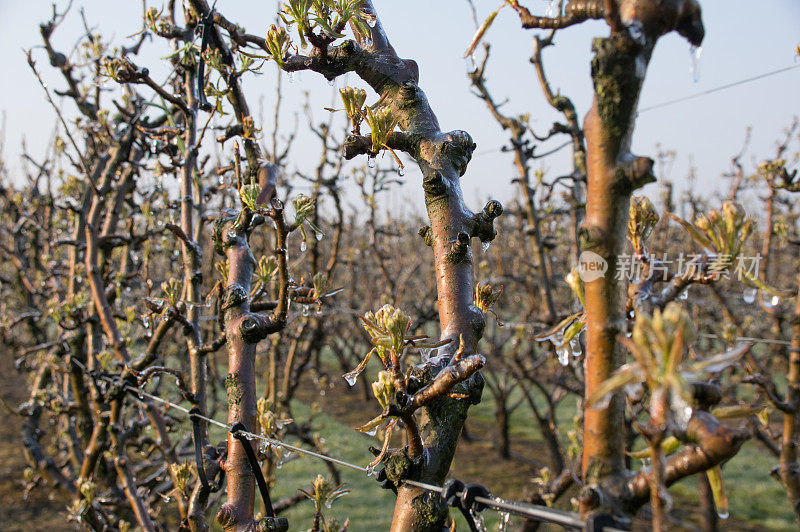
{"x": 485, "y": 246}
{"x": 695, "y": 52}
{"x": 221, "y": 180}
{"x": 684, "y": 295}
{"x": 683, "y": 413}
{"x": 634, "y": 391}
{"x": 303, "y": 246}
{"x": 636, "y": 32}
{"x": 350, "y": 378}
{"x": 550, "y": 12}
{"x": 401, "y": 171}
{"x": 370, "y": 18}
{"x": 318, "y": 236}
{"x": 332, "y": 82}
{"x": 372, "y": 432}
{"x": 306, "y": 310}
{"x": 371, "y": 161}
{"x": 575, "y": 346}
{"x": 749, "y": 295}
{"x": 478, "y": 519}
{"x": 770, "y": 301}
{"x": 472, "y": 65}
{"x": 290, "y": 77}
{"x": 723, "y": 515}
{"x": 641, "y": 66}
{"x": 563, "y": 355}
{"x": 502, "y": 523}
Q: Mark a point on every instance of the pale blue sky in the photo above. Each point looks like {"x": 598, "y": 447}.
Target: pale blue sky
{"x": 743, "y": 39}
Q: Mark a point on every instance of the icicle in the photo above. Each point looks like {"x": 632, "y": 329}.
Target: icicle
{"x": 371, "y": 161}
{"x": 641, "y": 66}
{"x": 472, "y": 65}
{"x": 485, "y": 246}
{"x": 478, "y": 519}
{"x": 425, "y": 354}
{"x": 563, "y": 355}
{"x": 575, "y": 346}
{"x": 550, "y": 12}
{"x": 636, "y": 32}
{"x": 502, "y": 523}
{"x": 696, "y": 52}
{"x": 290, "y": 77}
{"x": 332, "y": 82}
{"x": 749, "y": 295}
{"x": 684, "y": 295}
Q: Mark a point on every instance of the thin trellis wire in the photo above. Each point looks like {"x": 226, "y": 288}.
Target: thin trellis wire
{"x": 499, "y": 504}
{"x": 716, "y": 89}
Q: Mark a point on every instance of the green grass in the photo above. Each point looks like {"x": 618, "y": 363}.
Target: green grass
{"x": 367, "y": 505}
{"x": 756, "y": 500}
{"x": 754, "y": 496}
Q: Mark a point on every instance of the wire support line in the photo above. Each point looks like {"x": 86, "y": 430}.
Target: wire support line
{"x": 531, "y": 511}
{"x": 716, "y": 89}
{"x": 250, "y": 435}
{"x": 749, "y": 339}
